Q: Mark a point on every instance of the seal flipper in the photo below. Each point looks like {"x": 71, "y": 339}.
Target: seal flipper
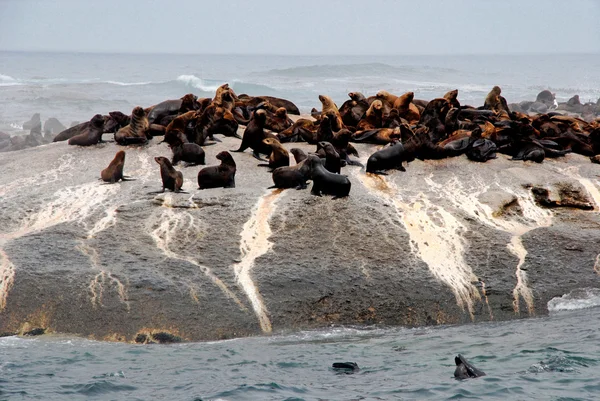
{"x": 257, "y": 156}
{"x": 465, "y": 370}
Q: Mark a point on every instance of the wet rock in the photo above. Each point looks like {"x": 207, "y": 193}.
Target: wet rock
{"x": 35, "y": 332}
{"x": 53, "y": 126}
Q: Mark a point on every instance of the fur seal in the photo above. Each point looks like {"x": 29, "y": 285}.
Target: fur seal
{"x": 464, "y": 370}
{"x": 325, "y": 182}
{"x": 171, "y": 178}
{"x": 299, "y": 154}
{"x": 406, "y": 109}
{"x": 302, "y": 130}
{"x": 92, "y": 135}
{"x": 279, "y": 156}
{"x": 292, "y": 176}
{"x": 353, "y": 110}
{"x": 219, "y": 176}
{"x": 452, "y": 98}
{"x": 373, "y": 117}
{"x": 254, "y": 135}
{"x": 187, "y": 152}
{"x": 390, "y": 157}
{"x": 172, "y": 107}
{"x": 184, "y": 123}
{"x": 278, "y": 121}
{"x": 329, "y": 107}
{"x": 137, "y": 131}
{"x": 332, "y": 157}
{"x": 495, "y": 102}
{"x": 114, "y": 171}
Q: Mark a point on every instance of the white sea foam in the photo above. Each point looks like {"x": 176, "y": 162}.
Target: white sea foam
{"x": 198, "y": 83}
{"x": 577, "y": 299}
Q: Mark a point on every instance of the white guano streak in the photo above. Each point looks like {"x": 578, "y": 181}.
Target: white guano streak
{"x": 253, "y": 244}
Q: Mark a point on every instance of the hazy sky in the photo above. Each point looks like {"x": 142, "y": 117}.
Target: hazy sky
{"x": 302, "y": 27}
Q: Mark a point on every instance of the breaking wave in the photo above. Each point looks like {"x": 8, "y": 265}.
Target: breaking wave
{"x": 577, "y": 299}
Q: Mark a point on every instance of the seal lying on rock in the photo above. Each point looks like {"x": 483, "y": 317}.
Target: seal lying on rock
{"x": 222, "y": 175}
{"x": 326, "y": 182}
{"x": 92, "y": 135}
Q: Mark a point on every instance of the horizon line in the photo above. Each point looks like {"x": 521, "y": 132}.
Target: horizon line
{"x": 101, "y": 52}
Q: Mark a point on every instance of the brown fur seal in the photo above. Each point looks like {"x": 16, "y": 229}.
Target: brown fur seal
{"x": 219, "y": 176}
{"x": 254, "y": 135}
{"x": 136, "y": 131}
{"x": 373, "y": 117}
{"x": 279, "y": 156}
{"x": 92, "y": 135}
{"x": 302, "y": 130}
{"x": 114, "y": 171}
{"x": 171, "y": 178}
{"x": 278, "y": 121}
{"x": 329, "y": 107}
{"x": 381, "y": 136}
{"x": 180, "y": 125}
{"x": 406, "y": 109}
{"x": 495, "y": 102}
{"x": 452, "y": 98}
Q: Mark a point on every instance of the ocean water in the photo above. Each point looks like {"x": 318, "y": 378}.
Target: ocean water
{"x": 75, "y": 86}
{"x": 556, "y": 357}
{"x": 550, "y": 358}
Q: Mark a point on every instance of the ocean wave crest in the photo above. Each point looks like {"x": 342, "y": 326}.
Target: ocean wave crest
{"x": 577, "y": 299}
{"x": 198, "y": 83}
{"x": 350, "y": 70}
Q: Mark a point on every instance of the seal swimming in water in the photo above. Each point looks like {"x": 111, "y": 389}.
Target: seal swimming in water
{"x": 325, "y": 182}
{"x": 171, "y": 178}
{"x": 464, "y": 370}
{"x": 222, "y": 175}
{"x": 114, "y": 171}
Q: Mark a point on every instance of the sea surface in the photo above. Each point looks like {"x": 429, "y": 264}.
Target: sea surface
{"x": 75, "y": 86}
{"x": 548, "y": 358}
{"x": 555, "y": 357}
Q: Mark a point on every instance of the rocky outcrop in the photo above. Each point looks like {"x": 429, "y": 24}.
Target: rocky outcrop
{"x": 448, "y": 241}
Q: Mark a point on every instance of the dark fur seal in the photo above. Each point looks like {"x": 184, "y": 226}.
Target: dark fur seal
{"x": 332, "y": 157}
{"x": 254, "y": 135}
{"x": 292, "y": 176}
{"x": 219, "y": 176}
{"x": 325, "y": 182}
{"x": 171, "y": 178}
{"x": 299, "y": 154}
{"x": 187, "y": 152}
{"x": 172, "y": 107}
{"x": 390, "y": 157}
{"x": 114, "y": 171}
{"x": 92, "y": 135}
{"x": 464, "y": 370}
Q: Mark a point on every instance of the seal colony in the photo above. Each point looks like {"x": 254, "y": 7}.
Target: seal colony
{"x": 407, "y": 128}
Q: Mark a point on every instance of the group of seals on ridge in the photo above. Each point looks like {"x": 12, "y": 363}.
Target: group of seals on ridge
{"x": 408, "y": 129}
